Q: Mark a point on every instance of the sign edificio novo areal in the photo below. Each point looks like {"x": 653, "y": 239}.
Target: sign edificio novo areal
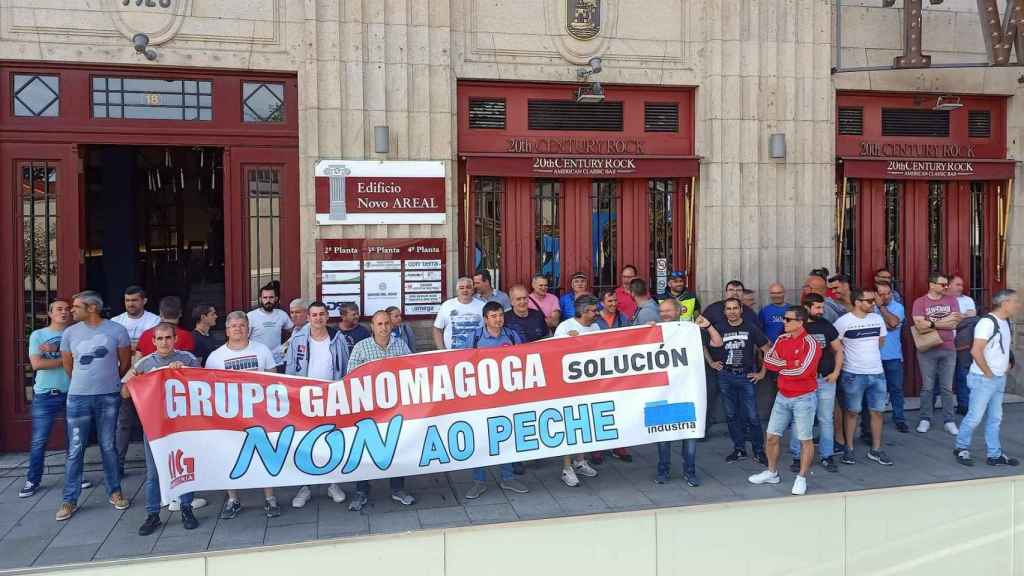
{"x": 379, "y": 192}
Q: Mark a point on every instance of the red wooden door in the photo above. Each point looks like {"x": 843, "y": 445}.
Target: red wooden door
{"x": 41, "y": 257}
{"x": 261, "y": 223}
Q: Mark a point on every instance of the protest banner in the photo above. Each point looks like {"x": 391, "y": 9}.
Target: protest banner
{"x": 424, "y": 413}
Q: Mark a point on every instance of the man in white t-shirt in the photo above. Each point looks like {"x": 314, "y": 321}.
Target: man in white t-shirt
{"x": 583, "y": 323}
{"x": 459, "y": 318}
{"x": 136, "y": 320}
{"x": 269, "y": 324}
{"x": 862, "y": 333}
{"x": 241, "y": 353}
{"x": 967, "y": 308}
{"x": 991, "y": 351}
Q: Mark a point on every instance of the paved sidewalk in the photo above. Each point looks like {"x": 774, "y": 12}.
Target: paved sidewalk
{"x": 29, "y": 535}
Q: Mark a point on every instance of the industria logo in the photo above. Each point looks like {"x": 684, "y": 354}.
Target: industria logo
{"x": 182, "y": 469}
{"x": 158, "y": 19}
{"x": 583, "y": 18}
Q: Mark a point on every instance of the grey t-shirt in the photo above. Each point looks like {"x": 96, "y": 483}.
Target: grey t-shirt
{"x": 155, "y": 360}
{"x": 95, "y": 351}
{"x": 647, "y": 313}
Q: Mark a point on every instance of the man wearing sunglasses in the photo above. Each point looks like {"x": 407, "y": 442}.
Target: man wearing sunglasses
{"x": 794, "y": 356}
{"x": 940, "y": 312}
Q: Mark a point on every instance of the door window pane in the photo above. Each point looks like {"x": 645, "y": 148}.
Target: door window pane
{"x": 38, "y": 196}
{"x": 978, "y": 231}
{"x": 487, "y": 226}
{"x": 936, "y": 203}
{"x": 151, "y": 99}
{"x": 846, "y": 226}
{"x": 661, "y": 196}
{"x": 36, "y": 95}
{"x": 604, "y": 202}
{"x": 262, "y": 102}
{"x": 893, "y": 193}
{"x": 547, "y": 197}
{"x": 264, "y": 193}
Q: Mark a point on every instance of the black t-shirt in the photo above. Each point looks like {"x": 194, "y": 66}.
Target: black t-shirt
{"x": 824, "y": 333}
{"x": 715, "y": 313}
{"x": 531, "y": 328}
{"x": 204, "y": 345}
{"x": 353, "y": 336}
{"x": 739, "y": 348}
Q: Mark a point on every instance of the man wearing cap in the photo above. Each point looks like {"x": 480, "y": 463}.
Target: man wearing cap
{"x": 580, "y": 287}
{"x": 688, "y": 301}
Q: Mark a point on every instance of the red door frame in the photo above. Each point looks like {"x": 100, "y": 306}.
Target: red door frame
{"x": 244, "y": 144}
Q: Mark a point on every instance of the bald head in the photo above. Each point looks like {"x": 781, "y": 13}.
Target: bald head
{"x": 814, "y": 285}
{"x": 777, "y": 293}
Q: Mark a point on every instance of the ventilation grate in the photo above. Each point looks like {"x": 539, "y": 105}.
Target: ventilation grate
{"x": 487, "y": 113}
{"x": 979, "y": 124}
{"x": 572, "y": 115}
{"x": 915, "y": 122}
{"x": 661, "y": 117}
{"x": 851, "y": 121}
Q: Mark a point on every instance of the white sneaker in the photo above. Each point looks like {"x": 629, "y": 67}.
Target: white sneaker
{"x": 336, "y": 493}
{"x": 923, "y": 426}
{"x": 584, "y": 469}
{"x": 765, "y": 477}
{"x": 799, "y": 486}
{"x": 951, "y": 428}
{"x": 569, "y": 478}
{"x": 301, "y": 497}
{"x": 197, "y": 503}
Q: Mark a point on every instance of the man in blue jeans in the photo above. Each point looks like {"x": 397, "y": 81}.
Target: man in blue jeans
{"x": 95, "y": 353}
{"x": 164, "y": 338}
{"x": 894, "y": 315}
{"x": 991, "y": 351}
{"x": 49, "y": 391}
{"x": 670, "y": 310}
{"x": 737, "y": 366}
{"x": 493, "y": 334}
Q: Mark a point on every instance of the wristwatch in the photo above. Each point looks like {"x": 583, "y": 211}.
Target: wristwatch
{"x": 931, "y": 323}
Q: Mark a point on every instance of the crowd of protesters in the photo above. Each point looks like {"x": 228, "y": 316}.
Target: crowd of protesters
{"x": 834, "y": 359}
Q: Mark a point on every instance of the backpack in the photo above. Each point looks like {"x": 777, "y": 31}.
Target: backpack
{"x": 965, "y": 337}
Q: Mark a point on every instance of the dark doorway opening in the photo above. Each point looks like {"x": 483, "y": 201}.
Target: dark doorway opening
{"x": 154, "y": 216}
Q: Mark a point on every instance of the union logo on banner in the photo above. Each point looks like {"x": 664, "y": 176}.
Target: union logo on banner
{"x": 182, "y": 469}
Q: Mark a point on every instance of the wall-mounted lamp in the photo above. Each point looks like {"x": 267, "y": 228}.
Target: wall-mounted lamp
{"x": 141, "y": 43}
{"x": 777, "y": 146}
{"x": 381, "y": 139}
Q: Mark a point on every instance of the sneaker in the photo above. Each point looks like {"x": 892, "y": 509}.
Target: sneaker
{"x": 765, "y": 477}
{"x": 119, "y": 501}
{"x": 231, "y": 509}
{"x": 150, "y": 525}
{"x": 584, "y": 469}
{"x": 902, "y": 427}
{"x": 736, "y": 455}
{"x": 848, "y": 457}
{"x": 403, "y": 497}
{"x": 476, "y": 490}
{"x": 86, "y": 484}
{"x": 66, "y": 510}
{"x": 923, "y": 426}
{"x": 513, "y": 485}
{"x": 799, "y": 486}
{"x": 794, "y": 466}
{"x": 29, "y": 489}
{"x": 951, "y": 428}
{"x": 197, "y": 503}
{"x": 518, "y": 468}
{"x": 358, "y": 502}
{"x": 336, "y": 493}
{"x": 829, "y": 464}
{"x": 569, "y": 477}
{"x": 692, "y": 481}
{"x": 597, "y": 458}
{"x": 661, "y": 478}
{"x": 270, "y": 507}
{"x": 188, "y": 520}
{"x": 838, "y": 448}
{"x": 1002, "y": 460}
{"x": 622, "y": 454}
{"x": 761, "y": 458}
{"x": 302, "y": 497}
{"x": 879, "y": 456}
{"x": 963, "y": 456}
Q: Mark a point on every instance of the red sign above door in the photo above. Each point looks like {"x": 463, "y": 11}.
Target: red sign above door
{"x": 928, "y": 169}
{"x": 583, "y": 167}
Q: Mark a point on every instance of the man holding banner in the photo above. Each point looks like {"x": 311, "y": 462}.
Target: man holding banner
{"x": 378, "y": 347}
{"x": 582, "y": 323}
{"x": 493, "y": 334}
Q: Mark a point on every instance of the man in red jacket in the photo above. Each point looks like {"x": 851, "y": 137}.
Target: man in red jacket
{"x": 795, "y": 357}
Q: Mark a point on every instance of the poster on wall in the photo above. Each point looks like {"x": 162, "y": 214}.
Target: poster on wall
{"x": 376, "y": 274}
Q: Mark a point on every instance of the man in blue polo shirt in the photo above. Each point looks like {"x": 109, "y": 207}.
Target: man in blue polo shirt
{"x": 493, "y": 334}
{"x": 771, "y": 314}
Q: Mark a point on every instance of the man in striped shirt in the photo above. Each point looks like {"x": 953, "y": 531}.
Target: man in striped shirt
{"x": 795, "y": 356}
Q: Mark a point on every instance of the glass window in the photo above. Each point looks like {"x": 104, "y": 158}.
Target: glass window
{"x": 547, "y": 196}
{"x": 38, "y": 195}
{"x": 936, "y": 203}
{"x": 661, "y": 196}
{"x": 36, "y": 95}
{"x": 846, "y": 227}
{"x": 262, "y": 102}
{"x": 893, "y": 192}
{"x": 604, "y": 207}
{"x": 264, "y": 193}
{"x": 152, "y": 99}
{"x": 487, "y": 223}
{"x": 978, "y": 231}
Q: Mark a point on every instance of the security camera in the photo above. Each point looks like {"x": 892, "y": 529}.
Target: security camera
{"x": 595, "y": 65}
{"x": 141, "y": 42}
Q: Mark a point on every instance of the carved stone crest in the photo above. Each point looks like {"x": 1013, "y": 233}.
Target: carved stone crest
{"x": 583, "y": 18}
{"x": 158, "y": 19}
